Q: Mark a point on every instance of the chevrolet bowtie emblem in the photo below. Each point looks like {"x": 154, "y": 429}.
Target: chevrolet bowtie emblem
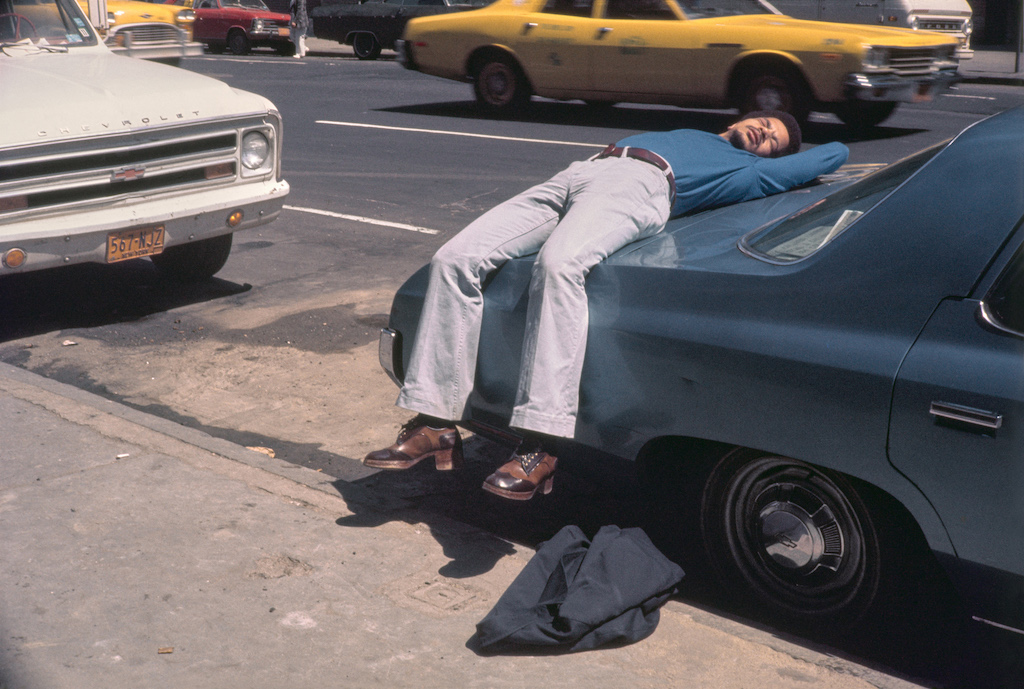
{"x": 127, "y": 174}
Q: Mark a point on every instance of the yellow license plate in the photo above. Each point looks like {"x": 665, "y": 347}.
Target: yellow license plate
{"x": 134, "y": 243}
{"x": 283, "y": 32}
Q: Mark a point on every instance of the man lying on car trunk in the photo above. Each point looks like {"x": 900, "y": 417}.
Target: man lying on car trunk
{"x": 575, "y": 220}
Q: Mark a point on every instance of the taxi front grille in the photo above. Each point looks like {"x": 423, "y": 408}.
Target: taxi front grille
{"x": 146, "y": 34}
{"x": 62, "y": 175}
{"x": 912, "y": 61}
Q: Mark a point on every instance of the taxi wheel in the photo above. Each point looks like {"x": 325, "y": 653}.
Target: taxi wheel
{"x": 768, "y": 91}
{"x": 238, "y": 43}
{"x": 864, "y": 114}
{"x": 194, "y": 261}
{"x": 794, "y": 540}
{"x": 500, "y": 86}
{"x": 366, "y": 46}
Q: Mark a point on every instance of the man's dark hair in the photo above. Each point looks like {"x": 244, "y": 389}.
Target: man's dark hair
{"x": 795, "y": 136}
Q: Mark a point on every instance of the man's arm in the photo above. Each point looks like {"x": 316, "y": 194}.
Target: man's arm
{"x": 775, "y": 175}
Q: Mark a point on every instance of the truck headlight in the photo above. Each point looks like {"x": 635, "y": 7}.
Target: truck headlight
{"x": 913, "y": 22}
{"x": 876, "y": 58}
{"x": 969, "y": 26}
{"x": 257, "y": 25}
{"x": 255, "y": 151}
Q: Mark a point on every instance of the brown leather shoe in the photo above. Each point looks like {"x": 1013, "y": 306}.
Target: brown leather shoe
{"x": 522, "y": 476}
{"x": 417, "y": 442}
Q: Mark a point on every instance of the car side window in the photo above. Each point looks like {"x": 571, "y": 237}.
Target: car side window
{"x": 1004, "y": 304}
{"x": 572, "y": 8}
{"x": 638, "y": 9}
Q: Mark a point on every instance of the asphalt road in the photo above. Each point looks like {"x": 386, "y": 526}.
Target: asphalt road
{"x": 279, "y": 351}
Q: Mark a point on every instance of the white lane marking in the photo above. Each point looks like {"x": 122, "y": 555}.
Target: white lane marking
{"x": 450, "y": 133}
{"x": 250, "y": 61}
{"x": 359, "y": 218}
{"x": 960, "y": 95}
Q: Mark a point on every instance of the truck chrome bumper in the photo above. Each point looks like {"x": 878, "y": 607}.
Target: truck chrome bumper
{"x": 891, "y": 87}
{"x": 59, "y": 239}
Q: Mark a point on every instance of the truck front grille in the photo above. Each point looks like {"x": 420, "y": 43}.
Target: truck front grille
{"x": 56, "y": 175}
{"x": 942, "y": 25}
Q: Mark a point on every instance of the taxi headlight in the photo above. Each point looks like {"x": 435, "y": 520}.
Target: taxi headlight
{"x": 255, "y": 150}
{"x": 876, "y": 58}
{"x": 186, "y": 17}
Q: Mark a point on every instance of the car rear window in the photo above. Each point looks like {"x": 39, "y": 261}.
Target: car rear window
{"x": 811, "y": 228}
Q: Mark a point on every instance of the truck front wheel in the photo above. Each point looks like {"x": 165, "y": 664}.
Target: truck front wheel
{"x": 194, "y": 261}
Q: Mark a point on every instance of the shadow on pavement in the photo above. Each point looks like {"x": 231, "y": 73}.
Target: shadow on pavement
{"x": 90, "y": 295}
{"x": 645, "y": 118}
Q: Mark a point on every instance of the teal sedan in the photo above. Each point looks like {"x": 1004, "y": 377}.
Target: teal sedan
{"x": 832, "y": 378}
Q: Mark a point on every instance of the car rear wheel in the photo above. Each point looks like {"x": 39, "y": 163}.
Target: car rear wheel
{"x": 196, "y": 260}
{"x": 501, "y": 86}
{"x": 796, "y": 540}
{"x": 864, "y": 114}
{"x": 775, "y": 91}
{"x": 366, "y": 46}
{"x": 238, "y": 42}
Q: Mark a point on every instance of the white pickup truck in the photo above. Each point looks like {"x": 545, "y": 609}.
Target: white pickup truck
{"x": 105, "y": 158}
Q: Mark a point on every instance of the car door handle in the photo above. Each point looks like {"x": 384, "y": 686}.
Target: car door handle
{"x": 528, "y": 26}
{"x": 990, "y": 421}
{"x": 602, "y": 31}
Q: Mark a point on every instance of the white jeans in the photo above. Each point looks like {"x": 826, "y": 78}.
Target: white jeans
{"x": 575, "y": 220}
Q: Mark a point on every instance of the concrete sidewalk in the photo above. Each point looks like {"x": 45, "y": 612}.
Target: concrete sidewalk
{"x": 140, "y": 553}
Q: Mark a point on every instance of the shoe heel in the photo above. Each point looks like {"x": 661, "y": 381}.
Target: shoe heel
{"x": 447, "y": 460}
{"x": 548, "y": 485}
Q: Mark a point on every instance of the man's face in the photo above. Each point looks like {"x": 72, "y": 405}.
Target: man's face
{"x": 762, "y": 136}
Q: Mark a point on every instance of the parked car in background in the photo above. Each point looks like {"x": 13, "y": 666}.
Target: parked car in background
{"x": 377, "y": 24}
{"x": 699, "y": 53}
{"x": 240, "y": 25}
{"x": 153, "y": 32}
{"x": 104, "y": 158}
{"x": 953, "y": 17}
{"x": 825, "y": 385}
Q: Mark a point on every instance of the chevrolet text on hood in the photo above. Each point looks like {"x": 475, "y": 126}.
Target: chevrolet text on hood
{"x": 105, "y": 158}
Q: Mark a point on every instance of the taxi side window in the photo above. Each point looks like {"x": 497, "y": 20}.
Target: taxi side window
{"x": 638, "y": 9}
{"x": 573, "y": 8}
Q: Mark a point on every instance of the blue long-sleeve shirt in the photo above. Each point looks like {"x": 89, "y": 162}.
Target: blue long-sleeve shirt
{"x": 710, "y": 171}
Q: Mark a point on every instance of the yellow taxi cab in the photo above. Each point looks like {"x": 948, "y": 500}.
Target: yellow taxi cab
{"x": 693, "y": 53}
{"x": 148, "y": 30}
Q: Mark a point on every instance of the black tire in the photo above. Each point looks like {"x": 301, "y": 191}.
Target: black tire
{"x": 194, "y": 261}
{"x": 500, "y": 86}
{"x": 862, "y": 115}
{"x": 775, "y": 91}
{"x": 366, "y": 46}
{"x": 795, "y": 540}
{"x": 238, "y": 43}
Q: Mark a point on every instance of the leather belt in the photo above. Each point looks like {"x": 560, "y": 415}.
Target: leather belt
{"x": 646, "y": 156}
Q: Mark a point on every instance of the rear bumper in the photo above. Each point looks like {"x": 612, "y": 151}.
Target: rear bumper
{"x": 389, "y": 353}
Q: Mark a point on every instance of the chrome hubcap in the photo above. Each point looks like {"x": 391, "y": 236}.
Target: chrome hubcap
{"x": 798, "y": 533}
